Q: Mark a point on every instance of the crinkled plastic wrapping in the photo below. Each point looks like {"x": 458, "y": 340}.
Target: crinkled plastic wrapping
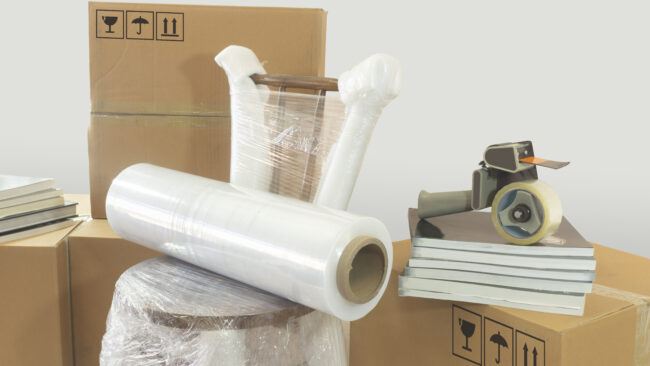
{"x": 168, "y": 312}
{"x": 305, "y": 146}
{"x": 281, "y": 140}
{"x": 281, "y": 245}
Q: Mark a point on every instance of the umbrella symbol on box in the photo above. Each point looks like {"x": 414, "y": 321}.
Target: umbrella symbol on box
{"x": 139, "y": 21}
{"x": 501, "y": 342}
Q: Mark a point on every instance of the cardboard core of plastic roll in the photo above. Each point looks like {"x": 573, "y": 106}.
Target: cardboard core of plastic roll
{"x": 362, "y": 269}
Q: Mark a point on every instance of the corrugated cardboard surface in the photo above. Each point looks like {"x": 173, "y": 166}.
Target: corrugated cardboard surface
{"x": 34, "y": 299}
{"x": 197, "y": 145}
{"x": 403, "y": 330}
{"x": 97, "y": 259}
{"x": 164, "y": 100}
{"x": 180, "y": 77}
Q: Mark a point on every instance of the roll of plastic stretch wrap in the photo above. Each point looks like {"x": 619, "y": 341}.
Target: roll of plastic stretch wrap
{"x": 168, "y": 312}
{"x": 326, "y": 259}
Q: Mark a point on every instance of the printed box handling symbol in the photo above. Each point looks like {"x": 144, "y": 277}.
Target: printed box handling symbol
{"x": 170, "y": 26}
{"x": 109, "y": 24}
{"x": 139, "y": 25}
{"x": 531, "y": 351}
{"x": 498, "y": 343}
{"x": 466, "y": 334}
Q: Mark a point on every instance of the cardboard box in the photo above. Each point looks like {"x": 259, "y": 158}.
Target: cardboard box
{"x": 413, "y": 331}
{"x": 97, "y": 259}
{"x": 157, "y": 96}
{"x": 34, "y": 298}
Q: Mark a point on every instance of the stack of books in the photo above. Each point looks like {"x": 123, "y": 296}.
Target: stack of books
{"x": 460, "y": 257}
{"x": 32, "y": 206}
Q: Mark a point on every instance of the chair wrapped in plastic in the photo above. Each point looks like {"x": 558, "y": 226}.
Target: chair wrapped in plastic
{"x": 168, "y": 312}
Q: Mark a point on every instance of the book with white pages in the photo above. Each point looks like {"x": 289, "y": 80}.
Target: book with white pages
{"x": 488, "y": 301}
{"x": 39, "y": 229}
{"x": 25, "y": 220}
{"x": 539, "y": 262}
{"x": 496, "y": 293}
{"x": 554, "y": 274}
{"x": 31, "y": 206}
{"x": 31, "y": 197}
{"x": 14, "y": 186}
{"x": 535, "y": 284}
{"x": 473, "y": 231}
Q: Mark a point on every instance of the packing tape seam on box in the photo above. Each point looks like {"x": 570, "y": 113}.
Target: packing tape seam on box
{"x": 126, "y": 114}
{"x": 642, "y": 304}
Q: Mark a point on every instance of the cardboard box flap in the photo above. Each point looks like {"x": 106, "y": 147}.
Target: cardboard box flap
{"x": 623, "y": 271}
{"x": 95, "y": 229}
{"x": 141, "y": 62}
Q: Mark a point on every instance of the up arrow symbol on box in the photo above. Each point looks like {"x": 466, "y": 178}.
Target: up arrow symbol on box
{"x": 525, "y": 354}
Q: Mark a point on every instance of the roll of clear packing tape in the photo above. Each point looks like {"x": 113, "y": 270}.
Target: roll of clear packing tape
{"x": 547, "y": 203}
{"x": 326, "y": 259}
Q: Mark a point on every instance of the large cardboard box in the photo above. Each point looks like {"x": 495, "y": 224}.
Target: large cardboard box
{"x": 97, "y": 259}
{"x": 412, "y": 331}
{"x": 157, "y": 96}
{"x": 35, "y": 298}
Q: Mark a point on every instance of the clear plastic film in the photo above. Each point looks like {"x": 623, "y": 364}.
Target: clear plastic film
{"x": 168, "y": 312}
{"x": 326, "y": 259}
{"x": 282, "y": 145}
{"x": 306, "y": 146}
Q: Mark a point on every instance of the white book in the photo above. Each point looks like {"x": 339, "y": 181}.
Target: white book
{"x": 36, "y": 196}
{"x": 567, "y": 275}
{"x": 31, "y": 206}
{"x": 496, "y": 293}
{"x": 38, "y": 230}
{"x": 526, "y": 283}
{"x": 575, "y": 263}
{"x": 473, "y": 299}
{"x": 12, "y": 223}
{"x": 14, "y": 186}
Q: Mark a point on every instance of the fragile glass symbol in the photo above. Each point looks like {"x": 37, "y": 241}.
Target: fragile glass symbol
{"x": 467, "y": 328}
{"x": 139, "y": 21}
{"x": 109, "y": 21}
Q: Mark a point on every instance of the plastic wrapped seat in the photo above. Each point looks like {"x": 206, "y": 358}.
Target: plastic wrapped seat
{"x": 168, "y": 312}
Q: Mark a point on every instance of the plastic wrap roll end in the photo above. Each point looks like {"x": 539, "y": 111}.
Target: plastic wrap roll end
{"x": 362, "y": 269}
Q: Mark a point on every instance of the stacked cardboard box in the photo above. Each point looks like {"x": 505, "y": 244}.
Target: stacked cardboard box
{"x": 159, "y": 97}
{"x": 35, "y": 298}
{"x": 411, "y": 331}
{"x": 97, "y": 259}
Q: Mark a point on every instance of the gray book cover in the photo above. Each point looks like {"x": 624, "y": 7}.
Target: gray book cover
{"x": 473, "y": 231}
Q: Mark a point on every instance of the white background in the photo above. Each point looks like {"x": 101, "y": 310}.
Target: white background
{"x": 573, "y": 76}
